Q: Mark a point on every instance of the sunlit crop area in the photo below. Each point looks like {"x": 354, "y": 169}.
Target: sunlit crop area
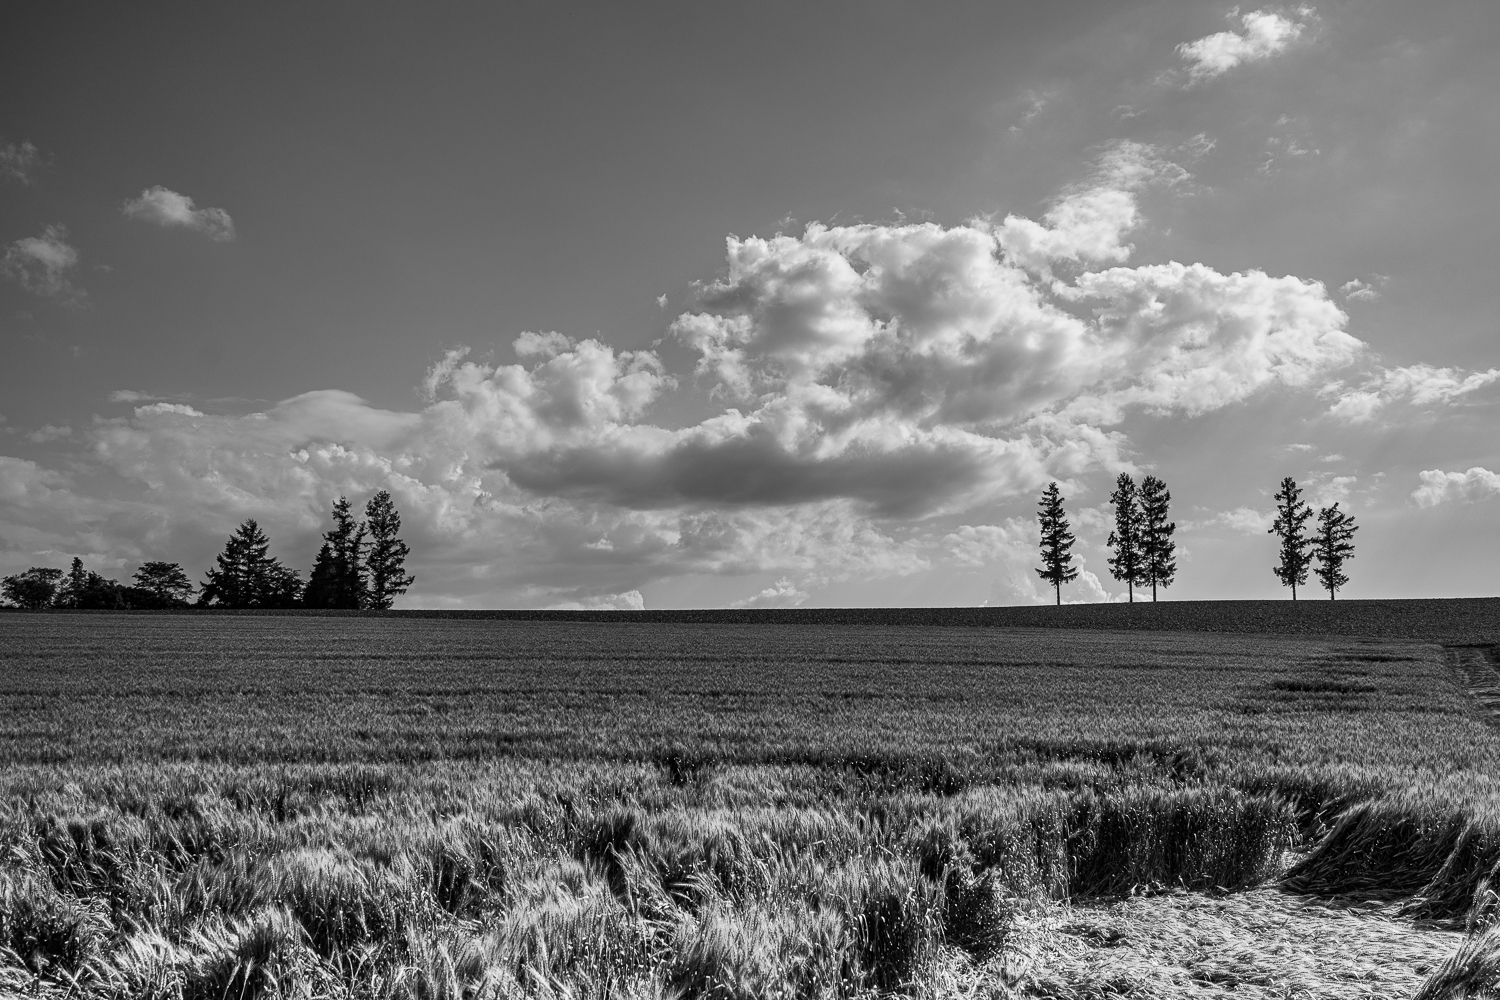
{"x": 205, "y": 806}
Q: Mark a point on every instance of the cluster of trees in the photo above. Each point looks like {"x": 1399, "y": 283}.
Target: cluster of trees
{"x": 362, "y": 564}
{"x": 1144, "y": 554}
{"x": 1142, "y": 550}
{"x": 1330, "y": 544}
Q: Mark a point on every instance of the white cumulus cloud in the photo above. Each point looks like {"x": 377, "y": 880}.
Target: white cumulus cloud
{"x": 1444, "y": 487}
{"x": 781, "y": 594}
{"x": 170, "y": 209}
{"x": 1264, "y": 35}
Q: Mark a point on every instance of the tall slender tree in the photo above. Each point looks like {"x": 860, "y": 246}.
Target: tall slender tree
{"x": 1333, "y": 545}
{"x": 1158, "y": 548}
{"x": 1292, "y": 514}
{"x": 387, "y": 559}
{"x": 338, "y": 576}
{"x": 1128, "y": 563}
{"x": 1057, "y": 541}
{"x": 74, "y": 585}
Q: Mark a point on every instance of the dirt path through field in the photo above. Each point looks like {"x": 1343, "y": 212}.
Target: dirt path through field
{"x": 1476, "y": 667}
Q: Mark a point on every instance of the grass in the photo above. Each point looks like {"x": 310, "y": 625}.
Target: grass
{"x": 211, "y": 806}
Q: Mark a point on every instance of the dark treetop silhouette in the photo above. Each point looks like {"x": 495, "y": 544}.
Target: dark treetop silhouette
{"x": 1057, "y": 541}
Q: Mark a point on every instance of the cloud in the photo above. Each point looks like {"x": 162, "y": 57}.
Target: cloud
{"x": 1265, "y": 34}
{"x": 1418, "y": 385}
{"x": 19, "y": 162}
{"x": 1444, "y": 487}
{"x": 981, "y": 545}
{"x": 782, "y": 594}
{"x": 630, "y": 600}
{"x": 873, "y": 391}
{"x": 1245, "y": 520}
{"x": 170, "y": 209}
{"x": 49, "y": 432}
{"x": 1358, "y": 290}
{"x": 1088, "y": 221}
{"x": 41, "y": 265}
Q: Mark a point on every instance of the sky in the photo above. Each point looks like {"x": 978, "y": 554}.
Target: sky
{"x": 739, "y": 305}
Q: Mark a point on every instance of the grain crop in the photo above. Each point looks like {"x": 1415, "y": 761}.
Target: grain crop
{"x": 341, "y": 806}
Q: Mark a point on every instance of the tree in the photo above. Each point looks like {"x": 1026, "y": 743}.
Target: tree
{"x": 387, "y": 559}
{"x": 1128, "y": 563}
{"x": 162, "y": 585}
{"x": 338, "y": 576}
{"x": 1157, "y": 548}
{"x": 1333, "y": 545}
{"x": 246, "y": 577}
{"x": 1292, "y": 514}
{"x": 1057, "y": 541}
{"x": 73, "y": 586}
{"x": 34, "y": 589}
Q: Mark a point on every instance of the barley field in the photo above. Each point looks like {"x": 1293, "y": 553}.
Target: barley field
{"x": 216, "y": 806}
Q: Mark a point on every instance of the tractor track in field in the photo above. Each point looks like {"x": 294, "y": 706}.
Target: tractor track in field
{"x": 1476, "y": 667}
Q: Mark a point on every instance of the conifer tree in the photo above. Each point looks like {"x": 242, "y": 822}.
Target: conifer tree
{"x": 246, "y": 577}
{"x": 1292, "y": 514}
{"x": 1128, "y": 563}
{"x": 1057, "y": 541}
{"x": 1333, "y": 545}
{"x": 338, "y": 576}
{"x": 74, "y": 585}
{"x": 1158, "y": 548}
{"x": 387, "y": 559}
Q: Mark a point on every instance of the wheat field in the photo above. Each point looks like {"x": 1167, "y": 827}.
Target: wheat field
{"x": 219, "y": 806}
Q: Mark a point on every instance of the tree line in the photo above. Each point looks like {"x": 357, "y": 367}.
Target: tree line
{"x": 361, "y": 564}
{"x": 1142, "y": 552}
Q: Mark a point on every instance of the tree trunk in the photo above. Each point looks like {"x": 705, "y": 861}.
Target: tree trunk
{"x": 1058, "y": 588}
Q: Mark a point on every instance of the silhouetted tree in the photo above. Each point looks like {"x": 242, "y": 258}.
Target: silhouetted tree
{"x": 73, "y": 586}
{"x": 1157, "y": 547}
{"x": 338, "y": 575}
{"x": 1290, "y": 526}
{"x": 34, "y": 589}
{"x": 162, "y": 585}
{"x": 1128, "y": 563}
{"x": 1057, "y": 541}
{"x": 387, "y": 559}
{"x": 246, "y": 577}
{"x": 1333, "y": 545}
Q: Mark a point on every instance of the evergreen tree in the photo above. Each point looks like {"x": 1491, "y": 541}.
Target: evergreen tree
{"x": 1333, "y": 545}
{"x": 1128, "y": 563}
{"x": 34, "y": 589}
{"x": 321, "y": 583}
{"x": 338, "y": 576}
{"x": 73, "y": 586}
{"x": 1292, "y": 514}
{"x": 387, "y": 559}
{"x": 1057, "y": 541}
{"x": 1158, "y": 548}
{"x": 162, "y": 585}
{"x": 246, "y": 577}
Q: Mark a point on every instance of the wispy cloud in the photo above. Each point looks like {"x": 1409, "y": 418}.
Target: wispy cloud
{"x": 170, "y": 209}
{"x": 41, "y": 265}
{"x": 19, "y": 162}
{"x": 1264, "y": 35}
{"x": 1418, "y": 385}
